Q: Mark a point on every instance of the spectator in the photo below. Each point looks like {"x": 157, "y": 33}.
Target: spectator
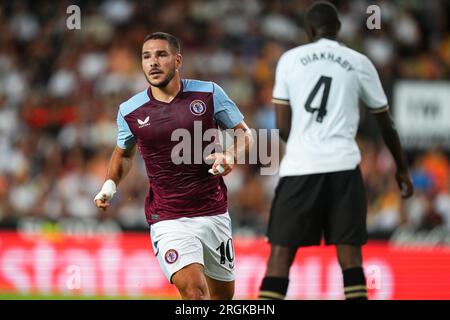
{"x": 60, "y": 90}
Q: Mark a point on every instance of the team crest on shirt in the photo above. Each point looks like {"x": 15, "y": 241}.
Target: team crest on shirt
{"x": 197, "y": 107}
{"x": 171, "y": 256}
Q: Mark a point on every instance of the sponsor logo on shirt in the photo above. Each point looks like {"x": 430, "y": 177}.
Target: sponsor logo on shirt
{"x": 144, "y": 123}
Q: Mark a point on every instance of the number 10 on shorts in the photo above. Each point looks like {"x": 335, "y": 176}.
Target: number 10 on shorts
{"x": 226, "y": 252}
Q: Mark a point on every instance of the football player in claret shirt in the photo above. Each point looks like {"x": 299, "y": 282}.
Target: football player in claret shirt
{"x": 321, "y": 192}
{"x": 186, "y": 204}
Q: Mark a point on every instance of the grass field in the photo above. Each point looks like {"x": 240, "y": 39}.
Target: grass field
{"x": 18, "y": 296}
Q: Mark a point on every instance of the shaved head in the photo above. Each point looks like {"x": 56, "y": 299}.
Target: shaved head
{"x": 322, "y": 20}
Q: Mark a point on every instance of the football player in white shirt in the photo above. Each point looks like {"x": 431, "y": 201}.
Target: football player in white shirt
{"x": 321, "y": 193}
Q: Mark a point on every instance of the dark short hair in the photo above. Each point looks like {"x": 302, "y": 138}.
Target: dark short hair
{"x": 323, "y": 15}
{"x": 172, "y": 40}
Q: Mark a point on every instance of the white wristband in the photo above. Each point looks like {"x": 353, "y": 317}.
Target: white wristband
{"x": 219, "y": 169}
{"x": 107, "y": 192}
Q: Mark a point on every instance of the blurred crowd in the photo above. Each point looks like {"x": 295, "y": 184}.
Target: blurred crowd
{"x": 60, "y": 90}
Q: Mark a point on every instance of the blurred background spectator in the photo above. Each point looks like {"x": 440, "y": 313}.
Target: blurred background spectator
{"x": 60, "y": 90}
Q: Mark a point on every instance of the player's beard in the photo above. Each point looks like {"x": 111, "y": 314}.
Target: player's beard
{"x": 164, "y": 82}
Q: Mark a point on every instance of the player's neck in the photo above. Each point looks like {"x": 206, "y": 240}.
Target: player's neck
{"x": 167, "y": 93}
{"x": 323, "y": 36}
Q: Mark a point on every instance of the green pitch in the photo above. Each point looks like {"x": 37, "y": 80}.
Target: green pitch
{"x": 17, "y": 296}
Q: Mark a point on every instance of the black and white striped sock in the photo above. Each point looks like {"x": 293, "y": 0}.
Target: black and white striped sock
{"x": 273, "y": 288}
{"x": 355, "y": 284}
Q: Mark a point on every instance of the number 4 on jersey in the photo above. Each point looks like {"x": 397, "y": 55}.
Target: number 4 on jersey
{"x": 322, "y": 110}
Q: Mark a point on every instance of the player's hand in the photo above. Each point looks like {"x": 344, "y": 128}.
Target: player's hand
{"x": 105, "y": 195}
{"x": 223, "y": 163}
{"x": 405, "y": 184}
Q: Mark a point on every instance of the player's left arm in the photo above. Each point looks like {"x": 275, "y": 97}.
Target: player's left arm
{"x": 392, "y": 141}
{"x": 280, "y": 97}
{"x": 228, "y": 116}
{"x": 243, "y": 141}
{"x": 372, "y": 93}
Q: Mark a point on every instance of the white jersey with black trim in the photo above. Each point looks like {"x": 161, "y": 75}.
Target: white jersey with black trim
{"x": 322, "y": 82}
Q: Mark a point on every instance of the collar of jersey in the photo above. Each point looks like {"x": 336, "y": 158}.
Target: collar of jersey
{"x": 329, "y": 41}
{"x": 152, "y": 98}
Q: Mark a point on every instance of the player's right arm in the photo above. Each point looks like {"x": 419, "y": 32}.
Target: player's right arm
{"x": 280, "y": 98}
{"x": 283, "y": 120}
{"x": 120, "y": 163}
{"x": 372, "y": 93}
{"x": 119, "y": 166}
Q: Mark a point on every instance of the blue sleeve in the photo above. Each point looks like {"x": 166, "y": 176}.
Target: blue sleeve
{"x": 125, "y": 139}
{"x": 226, "y": 112}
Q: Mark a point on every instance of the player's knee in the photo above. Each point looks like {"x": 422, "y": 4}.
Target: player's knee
{"x": 226, "y": 294}
{"x": 194, "y": 292}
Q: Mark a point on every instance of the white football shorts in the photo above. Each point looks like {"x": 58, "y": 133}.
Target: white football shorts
{"x": 205, "y": 240}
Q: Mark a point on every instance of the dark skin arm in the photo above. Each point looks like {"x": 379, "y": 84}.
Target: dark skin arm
{"x": 392, "y": 141}
{"x": 283, "y": 120}
{"x": 388, "y": 132}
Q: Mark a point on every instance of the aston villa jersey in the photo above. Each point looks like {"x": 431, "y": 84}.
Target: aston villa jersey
{"x": 179, "y": 188}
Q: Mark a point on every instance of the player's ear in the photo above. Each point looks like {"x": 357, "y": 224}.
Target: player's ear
{"x": 178, "y": 61}
{"x": 310, "y": 32}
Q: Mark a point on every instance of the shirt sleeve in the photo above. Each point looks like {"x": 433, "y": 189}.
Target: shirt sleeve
{"x": 371, "y": 90}
{"x": 226, "y": 112}
{"x": 280, "y": 93}
{"x": 125, "y": 139}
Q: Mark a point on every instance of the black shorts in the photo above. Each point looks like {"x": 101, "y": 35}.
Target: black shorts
{"x": 332, "y": 205}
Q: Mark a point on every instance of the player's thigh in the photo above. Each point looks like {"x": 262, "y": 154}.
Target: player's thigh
{"x": 175, "y": 246}
{"x": 346, "y": 220}
{"x": 297, "y": 211}
{"x": 191, "y": 282}
{"x": 220, "y": 290}
{"x": 218, "y": 249}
